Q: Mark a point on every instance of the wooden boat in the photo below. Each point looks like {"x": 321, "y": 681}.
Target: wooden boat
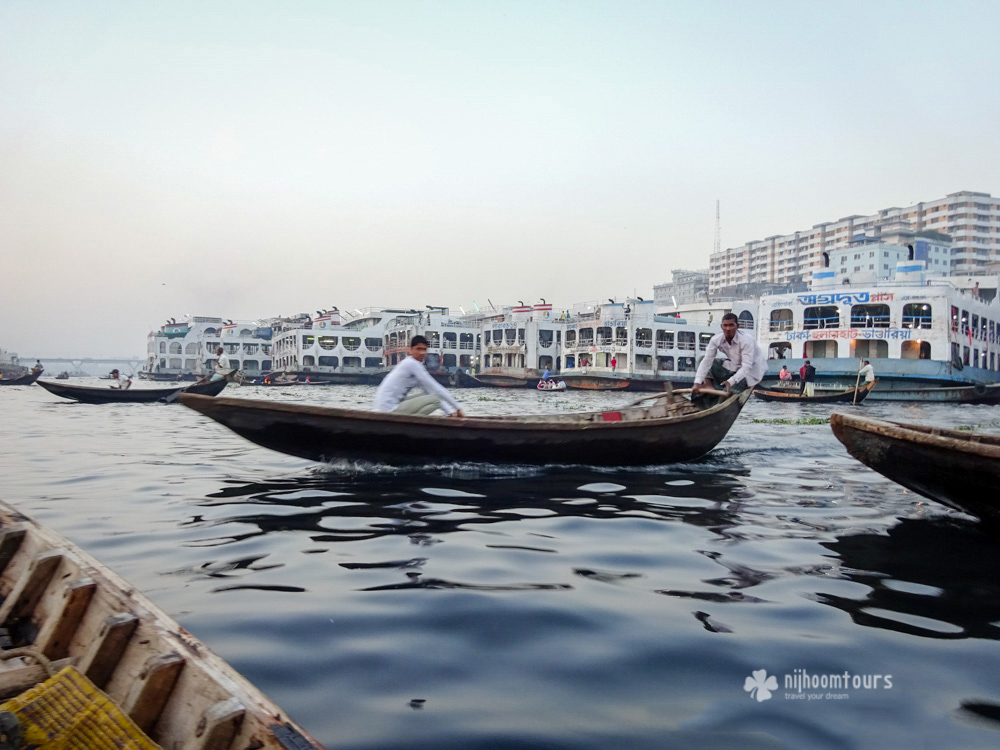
{"x": 558, "y": 388}
{"x": 64, "y": 607}
{"x": 91, "y": 395}
{"x": 596, "y": 382}
{"x": 956, "y": 468}
{"x": 499, "y": 380}
{"x": 835, "y": 397}
{"x": 62, "y": 376}
{"x": 666, "y": 430}
{"x": 27, "y": 379}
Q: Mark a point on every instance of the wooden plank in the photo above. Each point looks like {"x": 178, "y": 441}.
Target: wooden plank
{"x": 104, "y": 654}
{"x": 15, "y": 681}
{"x": 10, "y": 543}
{"x": 56, "y": 635}
{"x": 218, "y": 727}
{"x": 30, "y": 588}
{"x": 152, "y": 689}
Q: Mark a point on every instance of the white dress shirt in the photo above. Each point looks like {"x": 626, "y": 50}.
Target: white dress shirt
{"x": 868, "y": 372}
{"x": 406, "y": 375}
{"x": 743, "y": 357}
{"x": 222, "y": 364}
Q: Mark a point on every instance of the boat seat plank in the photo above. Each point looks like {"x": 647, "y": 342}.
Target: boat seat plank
{"x": 218, "y": 727}
{"x": 152, "y": 690}
{"x": 101, "y": 659}
{"x": 16, "y": 680}
{"x": 10, "y": 544}
{"x": 54, "y": 638}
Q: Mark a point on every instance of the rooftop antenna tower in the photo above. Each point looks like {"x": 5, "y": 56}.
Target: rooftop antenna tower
{"x": 718, "y": 229}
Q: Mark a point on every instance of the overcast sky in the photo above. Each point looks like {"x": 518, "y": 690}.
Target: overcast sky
{"x": 247, "y": 159}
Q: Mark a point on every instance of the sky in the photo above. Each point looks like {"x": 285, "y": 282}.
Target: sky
{"x": 249, "y": 159}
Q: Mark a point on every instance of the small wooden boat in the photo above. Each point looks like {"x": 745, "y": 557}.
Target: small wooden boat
{"x": 91, "y": 395}
{"x": 835, "y": 397}
{"x": 956, "y": 468}
{"x": 666, "y": 430}
{"x": 557, "y": 388}
{"x": 498, "y": 380}
{"x": 62, "y": 376}
{"x": 63, "y": 608}
{"x": 595, "y": 382}
{"x": 27, "y": 379}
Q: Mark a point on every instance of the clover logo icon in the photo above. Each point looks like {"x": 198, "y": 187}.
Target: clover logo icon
{"x": 760, "y": 685}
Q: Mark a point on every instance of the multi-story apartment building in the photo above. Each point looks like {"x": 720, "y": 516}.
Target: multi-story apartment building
{"x": 683, "y": 288}
{"x": 972, "y": 220}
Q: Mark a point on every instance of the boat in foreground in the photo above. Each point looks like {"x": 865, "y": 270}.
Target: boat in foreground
{"x": 90, "y": 395}
{"x": 849, "y": 396}
{"x": 659, "y": 429}
{"x": 61, "y": 608}
{"x": 957, "y": 468}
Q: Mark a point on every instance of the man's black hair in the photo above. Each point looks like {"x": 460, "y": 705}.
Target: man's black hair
{"x": 417, "y": 340}
{"x": 731, "y": 316}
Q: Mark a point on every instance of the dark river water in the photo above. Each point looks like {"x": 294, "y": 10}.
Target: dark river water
{"x": 473, "y": 606}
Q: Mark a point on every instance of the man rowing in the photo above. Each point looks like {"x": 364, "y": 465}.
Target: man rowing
{"x": 410, "y": 373}
{"x": 732, "y": 361}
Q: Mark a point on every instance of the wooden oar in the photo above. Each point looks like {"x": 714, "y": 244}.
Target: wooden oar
{"x": 857, "y": 383}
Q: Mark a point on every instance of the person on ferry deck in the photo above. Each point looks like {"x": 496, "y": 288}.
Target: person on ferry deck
{"x": 410, "y": 373}
{"x": 738, "y": 350}
{"x": 221, "y": 364}
{"x": 118, "y": 382}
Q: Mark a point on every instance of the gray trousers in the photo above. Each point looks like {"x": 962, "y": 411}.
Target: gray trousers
{"x": 720, "y": 373}
{"x": 418, "y": 406}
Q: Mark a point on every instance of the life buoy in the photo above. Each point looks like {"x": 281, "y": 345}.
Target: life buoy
{"x": 980, "y": 389}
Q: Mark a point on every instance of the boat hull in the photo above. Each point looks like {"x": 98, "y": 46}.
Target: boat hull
{"x": 839, "y": 397}
{"x": 322, "y": 434}
{"x": 28, "y": 379}
{"x": 90, "y": 395}
{"x": 501, "y": 381}
{"x": 957, "y": 469}
{"x": 595, "y": 382}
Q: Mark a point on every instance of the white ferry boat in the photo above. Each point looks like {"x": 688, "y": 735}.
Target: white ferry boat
{"x": 453, "y": 343}
{"x": 185, "y": 350}
{"x": 928, "y": 338}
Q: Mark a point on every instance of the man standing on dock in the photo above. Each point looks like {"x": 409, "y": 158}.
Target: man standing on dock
{"x": 391, "y": 393}
{"x": 741, "y": 364}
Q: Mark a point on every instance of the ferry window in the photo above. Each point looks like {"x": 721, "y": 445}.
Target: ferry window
{"x": 510, "y": 335}
{"x": 433, "y": 339}
{"x": 308, "y": 341}
{"x": 982, "y": 328}
{"x": 861, "y": 349}
{"x": 373, "y": 344}
{"x": 604, "y": 336}
{"x": 175, "y": 347}
{"x": 308, "y": 360}
{"x": 954, "y": 318}
{"x": 746, "y": 320}
{"x": 265, "y": 365}
{"x": 209, "y": 330}
{"x": 916, "y": 316}
{"x": 191, "y": 349}
{"x": 965, "y": 323}
{"x": 686, "y": 364}
{"x": 975, "y": 325}
{"x": 251, "y": 364}
{"x": 450, "y": 340}
{"x": 975, "y": 358}
{"x": 356, "y": 361}
{"x": 965, "y": 355}
{"x": 685, "y": 340}
{"x": 545, "y": 338}
{"x": 163, "y": 347}
{"x": 781, "y": 319}
{"x": 352, "y": 344}
{"x": 329, "y": 361}
{"x": 621, "y": 336}
{"x": 190, "y": 364}
{"x": 644, "y": 337}
{"x": 328, "y": 342}
{"x": 545, "y": 362}
{"x": 450, "y": 360}
{"x": 915, "y": 350}
{"x": 246, "y": 332}
{"x": 175, "y": 364}
{"x": 992, "y": 337}
{"x": 465, "y": 341}
{"x": 520, "y": 335}
{"x": 570, "y": 360}
{"x": 870, "y": 316}
{"x": 373, "y": 361}
{"x": 570, "y": 338}
{"x": 665, "y": 340}
{"x": 643, "y": 362}
{"x": 465, "y": 360}
{"x": 781, "y": 350}
{"x": 586, "y": 337}
{"x": 992, "y": 361}
{"x": 665, "y": 363}
{"x": 820, "y": 349}
{"x": 703, "y": 339}
{"x": 820, "y": 317}
{"x": 558, "y": 336}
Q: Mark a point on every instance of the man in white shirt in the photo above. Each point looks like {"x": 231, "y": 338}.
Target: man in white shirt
{"x": 867, "y": 371}
{"x": 222, "y": 367}
{"x": 741, "y": 364}
{"x": 118, "y": 382}
{"x": 391, "y": 393}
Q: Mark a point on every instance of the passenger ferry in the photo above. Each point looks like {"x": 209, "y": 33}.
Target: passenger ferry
{"x": 185, "y": 350}
{"x": 600, "y": 346}
{"x": 453, "y": 343}
{"x": 928, "y": 338}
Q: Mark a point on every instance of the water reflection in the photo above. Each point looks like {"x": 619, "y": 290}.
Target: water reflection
{"x": 931, "y": 577}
